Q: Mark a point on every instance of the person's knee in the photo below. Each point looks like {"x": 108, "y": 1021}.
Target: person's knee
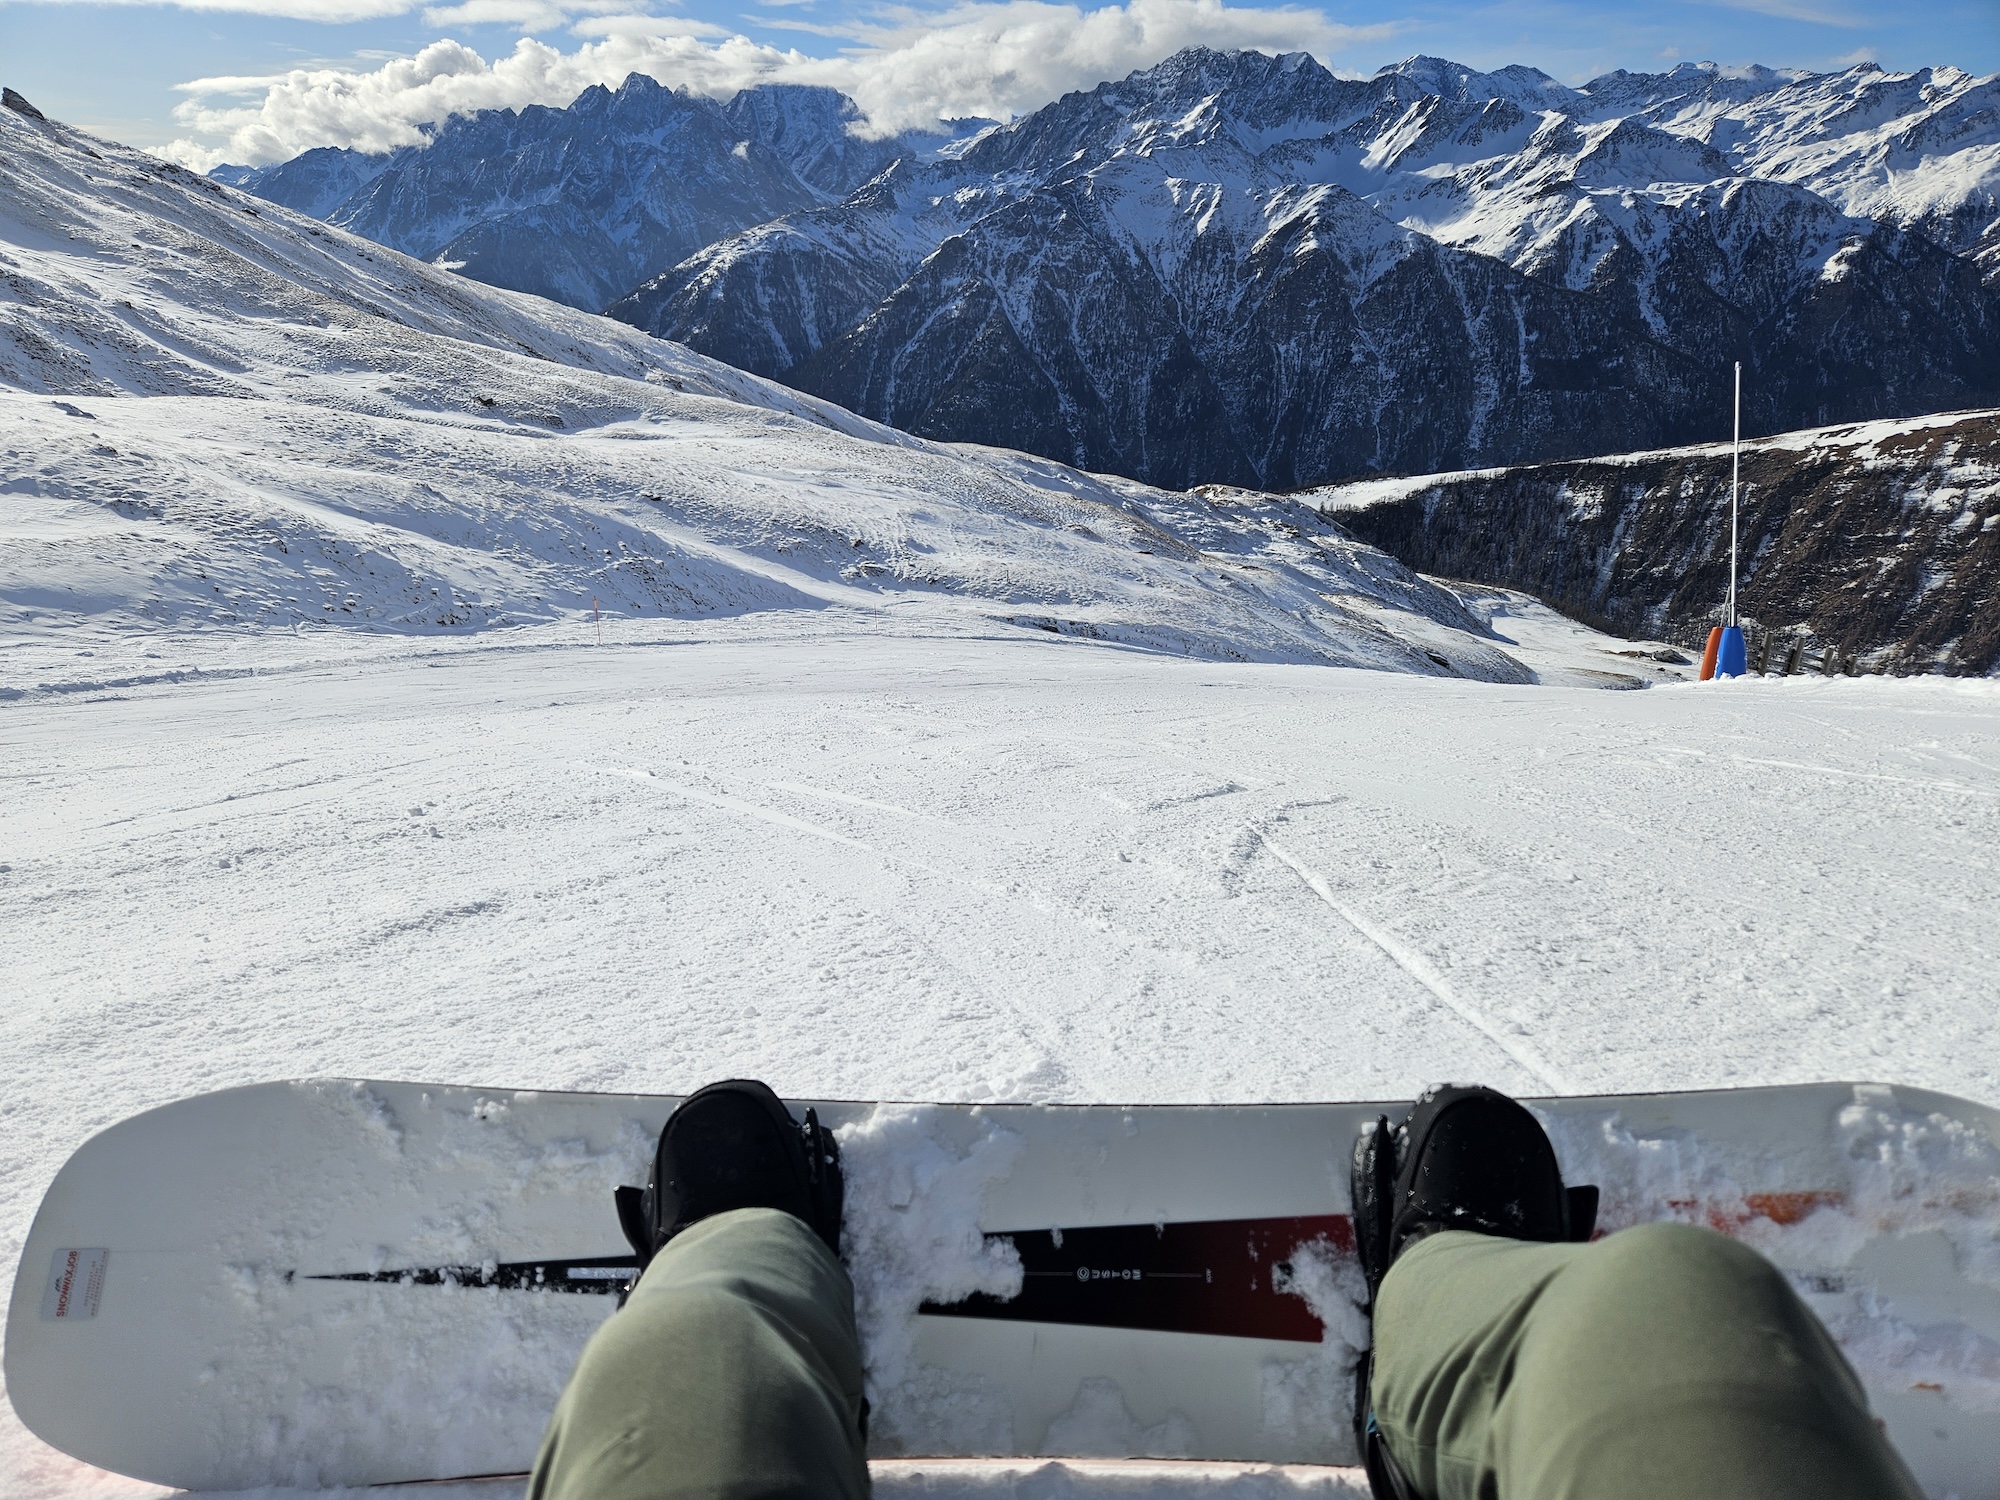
{"x": 706, "y": 1389}
{"x": 1683, "y": 1272}
{"x": 641, "y": 1348}
{"x": 1670, "y": 1359}
{"x": 712, "y": 1309}
{"x": 766, "y": 1242}
{"x": 1684, "y": 1253}
{"x": 1673, "y": 1242}
{"x": 1659, "y": 1310}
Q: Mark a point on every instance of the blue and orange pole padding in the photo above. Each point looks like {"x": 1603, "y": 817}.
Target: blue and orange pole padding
{"x": 1724, "y": 656}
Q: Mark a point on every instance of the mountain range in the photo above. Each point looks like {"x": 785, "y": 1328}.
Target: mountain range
{"x": 581, "y": 204}
{"x": 1244, "y": 269}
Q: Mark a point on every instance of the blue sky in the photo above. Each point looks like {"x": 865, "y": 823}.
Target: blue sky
{"x": 284, "y": 74}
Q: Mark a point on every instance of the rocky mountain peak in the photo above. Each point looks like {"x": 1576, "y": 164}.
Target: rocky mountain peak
{"x": 582, "y": 203}
{"x": 11, "y": 100}
{"x": 1442, "y": 78}
{"x": 818, "y": 133}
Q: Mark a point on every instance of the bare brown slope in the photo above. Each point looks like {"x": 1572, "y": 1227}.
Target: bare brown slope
{"x": 1879, "y": 540}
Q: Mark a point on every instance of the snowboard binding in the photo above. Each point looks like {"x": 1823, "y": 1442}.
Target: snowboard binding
{"x": 734, "y": 1145}
{"x": 1465, "y": 1158}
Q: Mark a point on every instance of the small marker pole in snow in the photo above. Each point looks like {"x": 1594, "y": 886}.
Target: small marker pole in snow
{"x": 1724, "y": 655}
{"x": 1735, "y": 471}
{"x": 597, "y": 619}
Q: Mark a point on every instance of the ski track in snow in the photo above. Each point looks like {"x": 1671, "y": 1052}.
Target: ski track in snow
{"x": 1420, "y": 969}
{"x": 877, "y": 865}
{"x": 736, "y": 805}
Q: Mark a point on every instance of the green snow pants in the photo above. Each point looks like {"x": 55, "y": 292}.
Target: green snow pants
{"x": 733, "y": 1372}
{"x": 1659, "y": 1363}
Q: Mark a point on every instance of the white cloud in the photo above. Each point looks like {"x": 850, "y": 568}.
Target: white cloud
{"x": 904, "y": 67}
{"x": 1794, "y": 10}
{"x": 1004, "y": 59}
{"x": 528, "y": 15}
{"x": 296, "y": 10}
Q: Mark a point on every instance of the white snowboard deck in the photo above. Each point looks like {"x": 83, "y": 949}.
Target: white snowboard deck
{"x": 165, "y": 1323}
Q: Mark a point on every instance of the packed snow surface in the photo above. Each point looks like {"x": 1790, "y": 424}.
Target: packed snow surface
{"x": 890, "y": 866}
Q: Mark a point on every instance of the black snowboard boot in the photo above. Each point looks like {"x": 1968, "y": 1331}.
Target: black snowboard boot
{"x": 734, "y": 1145}
{"x": 1465, "y": 1158}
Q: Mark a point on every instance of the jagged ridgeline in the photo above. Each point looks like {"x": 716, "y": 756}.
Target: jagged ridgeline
{"x": 1241, "y": 268}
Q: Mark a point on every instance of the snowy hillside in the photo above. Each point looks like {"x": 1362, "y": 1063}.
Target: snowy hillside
{"x": 220, "y": 416}
{"x": 1243, "y": 268}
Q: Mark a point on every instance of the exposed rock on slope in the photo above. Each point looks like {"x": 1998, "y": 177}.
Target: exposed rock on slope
{"x": 1237, "y": 267}
{"x": 1879, "y": 541}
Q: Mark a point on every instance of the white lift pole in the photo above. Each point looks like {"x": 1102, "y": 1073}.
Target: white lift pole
{"x": 1735, "y": 466}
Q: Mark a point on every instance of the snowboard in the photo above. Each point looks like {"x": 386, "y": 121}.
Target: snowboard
{"x": 323, "y": 1283}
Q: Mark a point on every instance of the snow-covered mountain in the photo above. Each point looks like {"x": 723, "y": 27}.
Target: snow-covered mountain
{"x": 1878, "y": 541}
{"x": 1240, "y": 267}
{"x": 315, "y": 182}
{"x": 1487, "y": 162}
{"x": 218, "y": 416}
{"x": 1918, "y": 150}
{"x": 582, "y": 204}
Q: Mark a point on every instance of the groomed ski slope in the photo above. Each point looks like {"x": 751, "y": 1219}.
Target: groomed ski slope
{"x": 879, "y": 865}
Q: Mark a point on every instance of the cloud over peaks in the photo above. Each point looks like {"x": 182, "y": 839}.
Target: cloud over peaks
{"x": 904, "y": 67}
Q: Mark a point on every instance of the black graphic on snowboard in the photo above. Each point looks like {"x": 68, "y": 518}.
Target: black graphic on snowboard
{"x": 1222, "y": 1276}
{"x": 1226, "y": 1276}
